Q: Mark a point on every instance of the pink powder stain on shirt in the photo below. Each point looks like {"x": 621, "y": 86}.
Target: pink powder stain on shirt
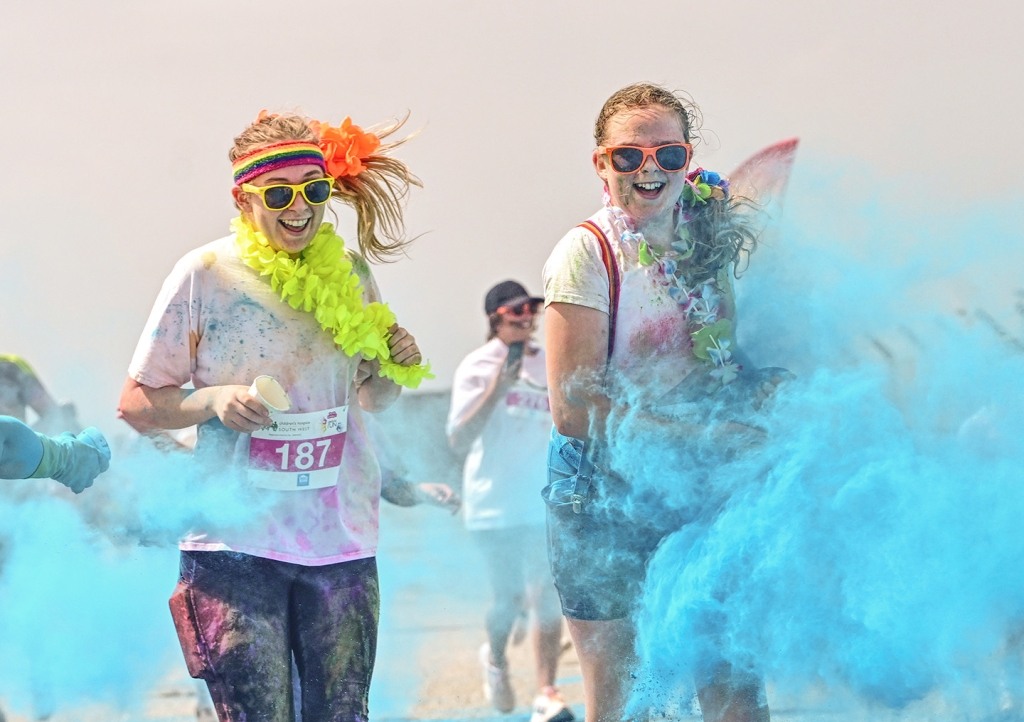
{"x": 663, "y": 335}
{"x": 302, "y": 541}
{"x": 329, "y": 497}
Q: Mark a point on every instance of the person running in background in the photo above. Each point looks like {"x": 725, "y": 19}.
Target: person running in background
{"x": 398, "y": 490}
{"x": 500, "y": 418}
{"x": 282, "y": 301}
{"x": 21, "y": 391}
{"x": 396, "y": 486}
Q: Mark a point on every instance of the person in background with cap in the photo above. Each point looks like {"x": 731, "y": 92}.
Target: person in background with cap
{"x": 500, "y": 418}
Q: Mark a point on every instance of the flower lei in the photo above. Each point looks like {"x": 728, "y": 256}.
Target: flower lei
{"x": 702, "y": 186}
{"x": 321, "y": 281}
{"x": 700, "y": 301}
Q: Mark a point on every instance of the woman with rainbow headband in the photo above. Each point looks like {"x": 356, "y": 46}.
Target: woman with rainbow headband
{"x": 283, "y": 297}
{"x": 639, "y": 307}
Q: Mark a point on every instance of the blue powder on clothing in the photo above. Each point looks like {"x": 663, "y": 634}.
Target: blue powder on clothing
{"x": 868, "y": 548}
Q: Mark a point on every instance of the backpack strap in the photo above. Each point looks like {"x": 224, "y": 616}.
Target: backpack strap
{"x": 586, "y": 471}
{"x": 614, "y": 282}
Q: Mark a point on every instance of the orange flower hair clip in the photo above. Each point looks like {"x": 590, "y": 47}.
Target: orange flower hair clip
{"x": 346, "y": 147}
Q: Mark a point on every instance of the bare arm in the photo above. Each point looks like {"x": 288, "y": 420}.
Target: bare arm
{"x": 577, "y": 349}
{"x": 374, "y": 392}
{"x": 148, "y": 409}
{"x": 401, "y": 492}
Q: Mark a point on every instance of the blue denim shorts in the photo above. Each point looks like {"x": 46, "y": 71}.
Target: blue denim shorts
{"x": 598, "y": 554}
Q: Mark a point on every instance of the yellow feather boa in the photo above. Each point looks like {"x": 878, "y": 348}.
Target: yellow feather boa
{"x": 321, "y": 281}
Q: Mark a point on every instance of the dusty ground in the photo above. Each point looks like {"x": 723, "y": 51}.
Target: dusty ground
{"x": 435, "y": 596}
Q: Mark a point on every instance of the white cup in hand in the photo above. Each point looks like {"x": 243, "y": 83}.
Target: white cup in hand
{"x": 269, "y": 392}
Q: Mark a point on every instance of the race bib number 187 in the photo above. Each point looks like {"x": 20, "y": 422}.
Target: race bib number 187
{"x": 299, "y": 451}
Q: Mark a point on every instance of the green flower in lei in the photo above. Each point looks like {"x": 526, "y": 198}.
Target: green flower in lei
{"x": 702, "y": 186}
{"x": 322, "y": 281}
{"x": 712, "y": 336}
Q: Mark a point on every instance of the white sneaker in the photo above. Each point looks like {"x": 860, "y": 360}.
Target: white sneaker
{"x": 548, "y": 706}
{"x": 497, "y": 686}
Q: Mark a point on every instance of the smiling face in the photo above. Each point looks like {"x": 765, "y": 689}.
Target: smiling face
{"x": 292, "y": 229}
{"x": 516, "y": 327}
{"x": 649, "y": 195}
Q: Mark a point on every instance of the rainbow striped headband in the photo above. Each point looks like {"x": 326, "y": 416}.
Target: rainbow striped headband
{"x": 272, "y": 157}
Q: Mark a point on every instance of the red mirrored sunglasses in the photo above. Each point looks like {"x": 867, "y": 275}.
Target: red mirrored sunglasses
{"x": 520, "y": 310}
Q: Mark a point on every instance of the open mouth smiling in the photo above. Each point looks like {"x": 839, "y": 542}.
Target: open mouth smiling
{"x": 649, "y": 189}
{"x": 295, "y": 225}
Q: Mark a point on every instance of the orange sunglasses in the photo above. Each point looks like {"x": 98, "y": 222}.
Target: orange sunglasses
{"x": 671, "y": 157}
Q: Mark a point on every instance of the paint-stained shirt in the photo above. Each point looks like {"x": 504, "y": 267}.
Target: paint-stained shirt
{"x": 506, "y": 466}
{"x": 216, "y": 321}
{"x": 653, "y": 350}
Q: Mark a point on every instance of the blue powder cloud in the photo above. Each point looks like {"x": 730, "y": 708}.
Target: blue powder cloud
{"x": 85, "y": 579}
{"x": 869, "y": 544}
{"x": 84, "y": 621}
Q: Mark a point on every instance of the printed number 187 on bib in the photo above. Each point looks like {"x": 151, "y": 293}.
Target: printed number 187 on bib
{"x": 305, "y": 455}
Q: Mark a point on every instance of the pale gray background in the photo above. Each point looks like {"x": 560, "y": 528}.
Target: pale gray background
{"x": 118, "y": 117}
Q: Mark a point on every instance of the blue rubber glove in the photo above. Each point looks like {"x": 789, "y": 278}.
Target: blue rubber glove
{"x": 74, "y": 461}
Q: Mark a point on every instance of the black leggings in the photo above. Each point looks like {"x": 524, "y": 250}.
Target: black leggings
{"x": 249, "y": 615}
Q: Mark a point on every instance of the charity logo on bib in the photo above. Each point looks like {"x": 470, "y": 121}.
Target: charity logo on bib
{"x": 298, "y": 451}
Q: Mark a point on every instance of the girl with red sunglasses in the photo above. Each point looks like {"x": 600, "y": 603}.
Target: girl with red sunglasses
{"x": 500, "y": 419}
{"x": 639, "y": 299}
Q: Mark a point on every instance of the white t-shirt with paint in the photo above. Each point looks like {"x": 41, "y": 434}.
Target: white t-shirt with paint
{"x": 653, "y": 350}
{"x": 507, "y": 464}
{"x": 216, "y": 321}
